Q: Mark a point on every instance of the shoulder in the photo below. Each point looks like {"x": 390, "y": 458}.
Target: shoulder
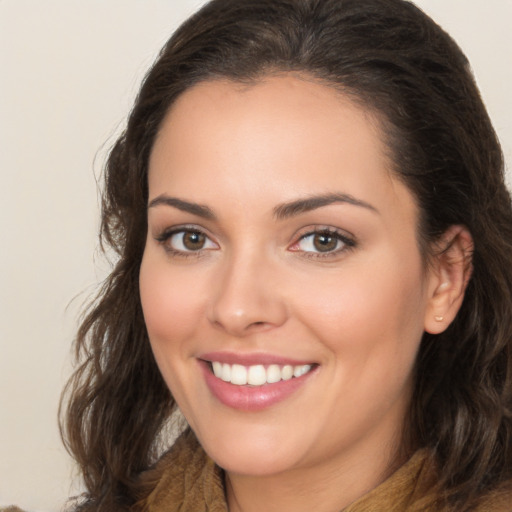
{"x": 497, "y": 501}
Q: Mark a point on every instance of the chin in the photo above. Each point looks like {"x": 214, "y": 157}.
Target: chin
{"x": 248, "y": 453}
{"x": 252, "y": 464}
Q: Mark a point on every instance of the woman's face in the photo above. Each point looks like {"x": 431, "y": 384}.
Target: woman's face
{"x": 279, "y": 242}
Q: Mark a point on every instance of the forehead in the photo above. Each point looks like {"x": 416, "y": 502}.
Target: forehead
{"x": 280, "y": 137}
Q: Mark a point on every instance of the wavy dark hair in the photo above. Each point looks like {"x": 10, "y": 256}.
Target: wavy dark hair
{"x": 396, "y": 62}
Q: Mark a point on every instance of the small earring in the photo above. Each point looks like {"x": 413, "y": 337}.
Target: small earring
{"x": 439, "y": 318}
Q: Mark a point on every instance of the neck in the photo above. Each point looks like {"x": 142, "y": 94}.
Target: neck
{"x": 329, "y": 488}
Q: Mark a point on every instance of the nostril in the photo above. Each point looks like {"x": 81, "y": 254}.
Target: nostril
{"x": 257, "y": 325}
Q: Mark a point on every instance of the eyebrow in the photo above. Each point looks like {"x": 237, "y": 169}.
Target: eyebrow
{"x": 307, "y": 204}
{"x": 281, "y": 212}
{"x": 185, "y": 206}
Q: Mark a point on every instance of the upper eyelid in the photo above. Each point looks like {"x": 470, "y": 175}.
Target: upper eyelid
{"x": 164, "y": 236}
{"x": 346, "y": 236}
{"x": 349, "y": 243}
{"x": 348, "y": 240}
{"x": 315, "y": 229}
{"x": 172, "y": 230}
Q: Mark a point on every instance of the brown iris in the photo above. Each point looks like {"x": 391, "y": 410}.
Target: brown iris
{"x": 194, "y": 240}
{"x": 324, "y": 242}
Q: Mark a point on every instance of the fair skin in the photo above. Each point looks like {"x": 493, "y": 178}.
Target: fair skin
{"x": 238, "y": 268}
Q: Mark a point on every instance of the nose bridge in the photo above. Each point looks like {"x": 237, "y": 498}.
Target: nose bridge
{"x": 246, "y": 298}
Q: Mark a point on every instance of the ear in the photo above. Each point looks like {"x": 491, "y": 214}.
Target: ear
{"x": 449, "y": 274}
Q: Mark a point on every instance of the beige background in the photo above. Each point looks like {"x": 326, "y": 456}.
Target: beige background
{"x": 68, "y": 73}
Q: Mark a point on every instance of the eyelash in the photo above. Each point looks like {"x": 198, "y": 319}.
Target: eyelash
{"x": 347, "y": 242}
{"x": 166, "y": 235}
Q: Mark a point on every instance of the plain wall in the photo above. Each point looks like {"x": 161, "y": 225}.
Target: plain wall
{"x": 69, "y": 71}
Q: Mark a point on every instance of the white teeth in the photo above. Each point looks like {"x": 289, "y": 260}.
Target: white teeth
{"x": 217, "y": 369}
{"x": 299, "y": 371}
{"x": 257, "y": 375}
{"x": 238, "y": 375}
{"x": 226, "y": 372}
{"x": 287, "y": 372}
{"x": 273, "y": 374}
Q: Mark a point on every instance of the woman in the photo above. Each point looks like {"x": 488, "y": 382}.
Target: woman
{"x": 314, "y": 242}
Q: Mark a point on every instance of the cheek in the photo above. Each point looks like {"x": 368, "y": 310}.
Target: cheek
{"x": 171, "y": 302}
{"x": 372, "y": 309}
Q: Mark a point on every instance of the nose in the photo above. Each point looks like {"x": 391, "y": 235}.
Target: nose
{"x": 246, "y": 298}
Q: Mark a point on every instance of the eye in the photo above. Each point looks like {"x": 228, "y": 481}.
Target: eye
{"x": 186, "y": 241}
{"x": 325, "y": 241}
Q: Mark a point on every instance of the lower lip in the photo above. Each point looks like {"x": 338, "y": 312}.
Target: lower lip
{"x": 251, "y": 398}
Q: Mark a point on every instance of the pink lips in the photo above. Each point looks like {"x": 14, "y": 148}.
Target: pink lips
{"x": 250, "y": 398}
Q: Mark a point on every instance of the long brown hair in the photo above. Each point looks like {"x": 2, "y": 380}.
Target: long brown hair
{"x": 393, "y": 59}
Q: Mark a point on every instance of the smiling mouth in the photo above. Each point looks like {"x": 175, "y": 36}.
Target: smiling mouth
{"x": 257, "y": 375}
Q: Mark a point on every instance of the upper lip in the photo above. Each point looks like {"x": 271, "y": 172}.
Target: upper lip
{"x": 250, "y": 359}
